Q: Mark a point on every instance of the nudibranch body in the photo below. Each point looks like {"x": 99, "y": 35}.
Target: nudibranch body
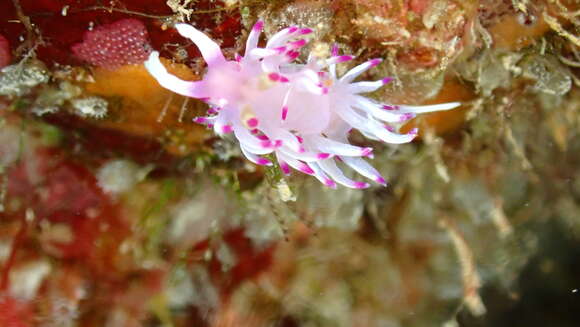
{"x": 300, "y": 113}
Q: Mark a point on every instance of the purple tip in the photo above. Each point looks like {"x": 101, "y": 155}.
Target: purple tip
{"x": 292, "y": 54}
{"x": 407, "y": 116}
{"x": 301, "y": 149}
{"x": 366, "y": 152}
{"x": 200, "y": 120}
{"x": 298, "y": 43}
{"x": 278, "y": 143}
{"x": 280, "y": 50}
{"x": 334, "y": 51}
{"x": 284, "y": 79}
{"x": 300, "y": 139}
{"x": 306, "y": 169}
{"x": 304, "y": 31}
{"x": 361, "y": 185}
{"x": 330, "y": 183}
{"x": 414, "y": 131}
{"x": 391, "y": 108}
{"x": 252, "y": 122}
{"x": 285, "y": 168}
{"x": 284, "y": 112}
{"x": 390, "y": 128}
{"x": 323, "y": 155}
{"x": 226, "y": 129}
{"x": 292, "y": 29}
{"x": 258, "y": 26}
{"x": 262, "y": 137}
{"x": 274, "y": 77}
{"x": 266, "y": 144}
{"x": 324, "y": 90}
{"x": 263, "y": 162}
{"x": 387, "y": 80}
{"x": 237, "y": 57}
{"x": 381, "y": 180}
{"x": 344, "y": 58}
{"x": 374, "y": 62}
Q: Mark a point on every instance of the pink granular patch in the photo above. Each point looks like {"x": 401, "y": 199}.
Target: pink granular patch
{"x": 4, "y": 52}
{"x": 124, "y": 42}
{"x": 419, "y": 6}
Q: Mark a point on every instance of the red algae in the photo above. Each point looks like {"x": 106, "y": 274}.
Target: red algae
{"x": 5, "y": 56}
{"x": 15, "y": 313}
{"x": 61, "y": 191}
{"x": 251, "y": 262}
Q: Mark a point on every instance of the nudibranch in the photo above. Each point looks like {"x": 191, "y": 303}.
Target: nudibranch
{"x": 298, "y": 113}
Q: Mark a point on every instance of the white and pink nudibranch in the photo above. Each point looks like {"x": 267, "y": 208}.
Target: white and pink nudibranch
{"x": 301, "y": 114}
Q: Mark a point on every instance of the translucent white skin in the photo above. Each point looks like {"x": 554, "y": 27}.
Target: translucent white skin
{"x": 301, "y": 113}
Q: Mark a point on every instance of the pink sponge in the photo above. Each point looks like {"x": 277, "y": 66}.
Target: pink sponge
{"x": 4, "y": 52}
{"x": 123, "y": 42}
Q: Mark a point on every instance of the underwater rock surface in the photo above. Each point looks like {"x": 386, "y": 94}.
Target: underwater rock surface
{"x": 117, "y": 209}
